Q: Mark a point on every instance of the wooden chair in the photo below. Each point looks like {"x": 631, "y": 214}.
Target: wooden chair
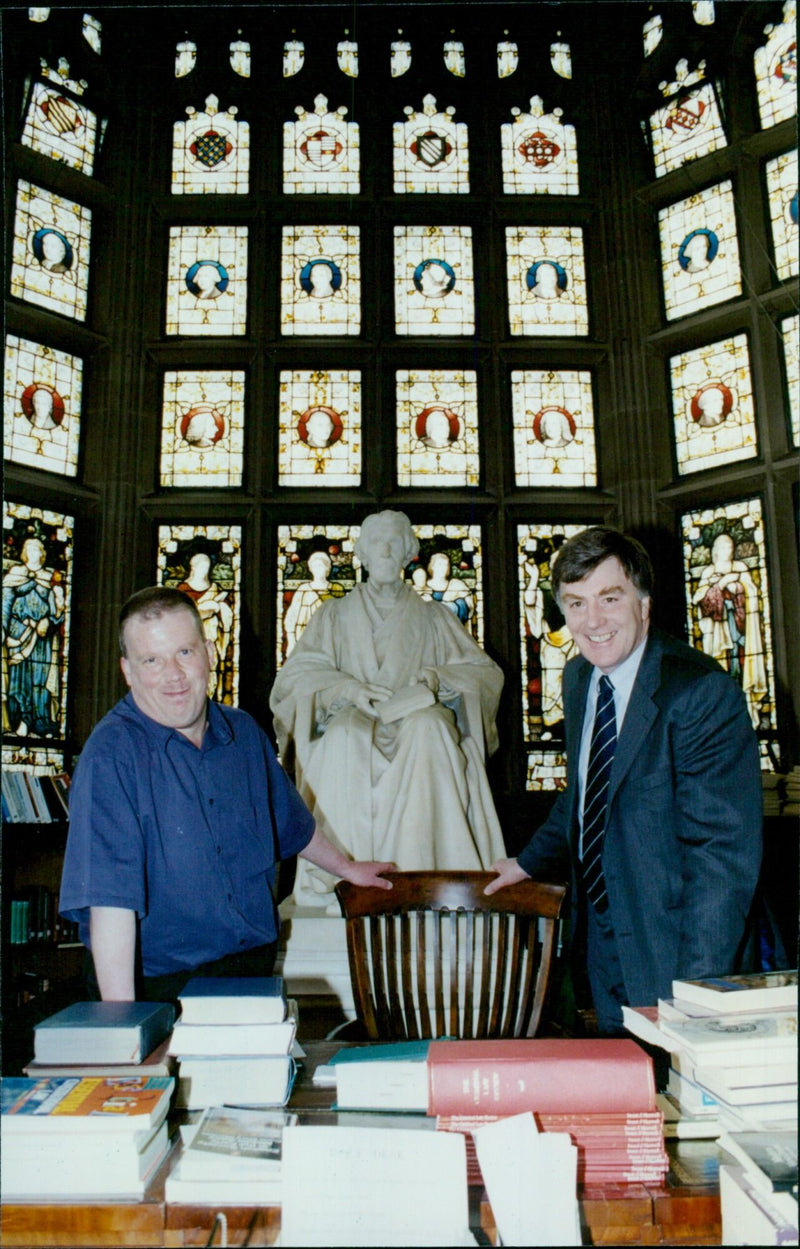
{"x": 436, "y": 957}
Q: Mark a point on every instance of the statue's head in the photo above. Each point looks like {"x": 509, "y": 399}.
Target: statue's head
{"x": 387, "y": 523}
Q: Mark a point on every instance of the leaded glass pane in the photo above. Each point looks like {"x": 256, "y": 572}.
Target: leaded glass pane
{"x": 202, "y": 428}
{"x": 454, "y": 58}
{"x": 400, "y": 56}
{"x": 790, "y": 332}
{"x": 185, "y": 58}
{"x": 50, "y": 265}
{"x": 703, "y": 12}
{"x": 431, "y": 151}
{"x": 553, "y": 414}
{"x": 60, "y": 76}
{"x": 319, "y": 431}
{"x": 437, "y": 427}
{"x": 712, "y": 405}
{"x": 775, "y": 67}
{"x": 294, "y": 54}
{"x": 546, "y": 280}
{"x": 699, "y": 251}
{"x": 545, "y": 646}
{"x": 449, "y": 570}
{"x": 507, "y": 58}
{"x": 37, "y": 594}
{"x": 38, "y": 14}
{"x": 727, "y": 597}
{"x": 347, "y": 57}
{"x": 321, "y": 280}
{"x": 782, "y": 195}
{"x": 689, "y": 125}
{"x": 561, "y": 59}
{"x": 540, "y": 153}
{"x": 315, "y": 563}
{"x": 42, "y": 406}
{"x": 207, "y": 280}
{"x": 652, "y": 33}
{"x": 92, "y": 32}
{"x": 205, "y": 562}
{"x": 60, "y": 128}
{"x": 433, "y": 288}
{"x": 239, "y": 52}
{"x": 211, "y": 152}
{"x": 321, "y": 152}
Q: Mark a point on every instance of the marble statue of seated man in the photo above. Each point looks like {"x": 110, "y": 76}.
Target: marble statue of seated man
{"x": 412, "y": 790}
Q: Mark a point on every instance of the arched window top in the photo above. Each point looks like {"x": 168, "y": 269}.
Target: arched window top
{"x": 38, "y": 15}
{"x": 400, "y": 56}
{"x": 455, "y": 58}
{"x": 92, "y": 31}
{"x": 294, "y": 54}
{"x": 561, "y": 58}
{"x": 652, "y": 33}
{"x": 776, "y": 70}
{"x": 240, "y": 56}
{"x": 185, "y": 58}
{"x": 507, "y": 57}
{"x": 703, "y": 12}
{"x": 347, "y": 56}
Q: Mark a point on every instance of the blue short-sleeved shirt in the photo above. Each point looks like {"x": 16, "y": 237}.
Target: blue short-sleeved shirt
{"x": 188, "y": 839}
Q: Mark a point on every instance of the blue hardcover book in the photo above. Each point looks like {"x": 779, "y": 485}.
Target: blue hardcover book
{"x": 233, "y": 1000}
{"x": 103, "y": 1032}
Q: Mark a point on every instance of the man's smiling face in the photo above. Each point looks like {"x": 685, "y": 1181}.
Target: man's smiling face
{"x": 605, "y": 614}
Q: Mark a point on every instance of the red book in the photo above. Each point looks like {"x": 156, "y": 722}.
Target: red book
{"x": 558, "y": 1076}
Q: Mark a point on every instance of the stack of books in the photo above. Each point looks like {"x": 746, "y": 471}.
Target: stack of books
{"x": 731, "y": 1039}
{"x": 31, "y": 799}
{"x": 758, "y": 1191}
{"x": 104, "y": 1039}
{"x": 233, "y": 1042}
{"x": 231, "y": 1157}
{"x": 82, "y": 1137}
{"x": 599, "y": 1092}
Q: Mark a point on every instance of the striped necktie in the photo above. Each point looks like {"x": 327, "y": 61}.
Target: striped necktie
{"x": 598, "y": 773}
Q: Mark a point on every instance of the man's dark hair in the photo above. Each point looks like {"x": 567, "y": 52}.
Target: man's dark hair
{"x": 581, "y": 554}
{"x": 151, "y": 603}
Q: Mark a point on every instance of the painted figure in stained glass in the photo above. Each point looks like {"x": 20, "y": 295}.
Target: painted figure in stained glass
{"x": 310, "y": 595}
{"x": 546, "y": 280}
{"x": 553, "y": 415}
{"x": 320, "y": 278}
{"x": 444, "y": 588}
{"x": 548, "y": 641}
{"x": 434, "y": 286}
{"x": 33, "y": 615}
{"x": 207, "y": 282}
{"x": 426, "y": 799}
{"x": 776, "y": 69}
{"x": 41, "y": 406}
{"x": 437, "y": 427}
{"x": 711, "y": 405}
{"x": 698, "y": 250}
{"x": 202, "y": 426}
{"x": 434, "y": 278}
{"x": 202, "y": 568}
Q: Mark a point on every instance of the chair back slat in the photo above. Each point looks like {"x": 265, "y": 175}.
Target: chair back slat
{"x": 434, "y": 956}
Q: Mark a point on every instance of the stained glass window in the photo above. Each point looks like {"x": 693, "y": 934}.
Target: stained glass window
{"x": 546, "y": 280}
{"x": 782, "y": 194}
{"x": 652, "y": 33}
{"x": 239, "y": 53}
{"x": 540, "y": 154}
{"x": 185, "y": 58}
{"x": 202, "y": 428}
{"x": 561, "y": 59}
{"x": 437, "y": 427}
{"x": 207, "y": 280}
{"x": 321, "y": 280}
{"x": 454, "y": 58}
{"x": 703, "y": 12}
{"x": 434, "y": 287}
{"x": 727, "y": 597}
{"x": 553, "y": 414}
{"x": 400, "y": 56}
{"x": 37, "y": 592}
{"x": 294, "y": 54}
{"x": 321, "y": 152}
{"x": 347, "y": 57}
{"x": 689, "y": 125}
{"x": 776, "y": 70}
{"x": 60, "y": 76}
{"x": 699, "y": 251}
{"x": 712, "y": 405}
{"x": 507, "y": 58}
{"x": 545, "y": 646}
{"x": 431, "y": 151}
{"x": 50, "y": 265}
{"x": 92, "y": 32}
{"x": 319, "y": 430}
{"x": 315, "y": 563}
{"x": 38, "y": 14}
{"x": 61, "y": 128}
{"x": 449, "y": 570}
{"x": 42, "y": 406}
{"x": 790, "y": 333}
{"x": 205, "y": 562}
{"x": 211, "y": 152}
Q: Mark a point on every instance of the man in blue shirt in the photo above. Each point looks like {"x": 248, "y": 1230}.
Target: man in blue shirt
{"x": 179, "y": 815}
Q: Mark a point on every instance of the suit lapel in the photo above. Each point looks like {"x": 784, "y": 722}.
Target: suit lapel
{"x": 639, "y": 716}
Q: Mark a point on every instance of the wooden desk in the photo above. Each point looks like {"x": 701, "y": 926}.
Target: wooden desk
{"x": 684, "y": 1211}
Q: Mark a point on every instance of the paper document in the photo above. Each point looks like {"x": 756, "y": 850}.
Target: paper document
{"x": 530, "y": 1180}
{"x": 359, "y": 1186}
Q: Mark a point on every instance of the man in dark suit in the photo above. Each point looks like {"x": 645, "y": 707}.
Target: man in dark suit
{"x": 660, "y": 824}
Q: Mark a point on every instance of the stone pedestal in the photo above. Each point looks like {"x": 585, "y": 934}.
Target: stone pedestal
{"x": 312, "y": 957}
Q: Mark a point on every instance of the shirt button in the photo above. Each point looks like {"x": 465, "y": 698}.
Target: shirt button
{"x": 211, "y": 802}
{"x": 230, "y": 897}
{"x": 219, "y": 849}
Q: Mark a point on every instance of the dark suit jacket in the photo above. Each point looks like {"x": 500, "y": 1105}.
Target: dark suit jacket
{"x": 682, "y": 848}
